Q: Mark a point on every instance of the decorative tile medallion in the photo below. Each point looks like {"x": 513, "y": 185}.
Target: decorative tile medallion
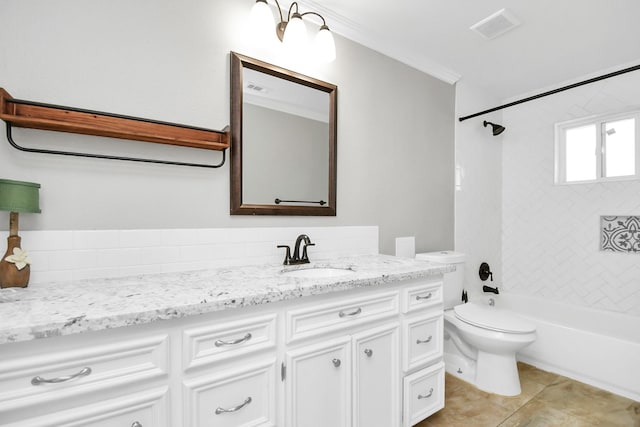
{"x": 620, "y": 233}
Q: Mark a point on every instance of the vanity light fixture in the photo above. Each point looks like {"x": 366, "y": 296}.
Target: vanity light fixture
{"x": 15, "y": 197}
{"x": 496, "y": 129}
{"x": 292, "y": 31}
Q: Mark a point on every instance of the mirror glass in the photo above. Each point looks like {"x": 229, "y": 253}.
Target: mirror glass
{"x": 283, "y": 141}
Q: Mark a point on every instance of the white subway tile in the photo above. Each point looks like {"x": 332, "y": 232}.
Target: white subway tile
{"x": 73, "y": 259}
{"x": 140, "y": 238}
{"x": 95, "y": 239}
{"x": 47, "y": 240}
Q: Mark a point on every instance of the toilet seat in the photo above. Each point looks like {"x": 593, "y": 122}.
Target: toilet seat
{"x": 492, "y": 318}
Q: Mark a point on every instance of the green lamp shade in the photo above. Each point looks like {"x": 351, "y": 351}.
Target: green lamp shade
{"x": 19, "y": 196}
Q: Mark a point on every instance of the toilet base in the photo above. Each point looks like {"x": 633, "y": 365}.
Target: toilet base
{"x": 497, "y": 373}
{"x": 460, "y": 367}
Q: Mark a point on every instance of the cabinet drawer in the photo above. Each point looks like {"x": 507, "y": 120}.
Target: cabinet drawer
{"x": 423, "y": 394}
{"x": 212, "y": 343}
{"x": 143, "y": 409}
{"x": 425, "y": 295}
{"x": 79, "y": 373}
{"x": 309, "y": 321}
{"x": 422, "y": 340}
{"x": 239, "y": 398}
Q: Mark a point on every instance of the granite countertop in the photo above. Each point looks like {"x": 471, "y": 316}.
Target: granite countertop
{"x": 65, "y": 308}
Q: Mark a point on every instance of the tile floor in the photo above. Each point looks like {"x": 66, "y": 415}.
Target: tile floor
{"x": 547, "y": 400}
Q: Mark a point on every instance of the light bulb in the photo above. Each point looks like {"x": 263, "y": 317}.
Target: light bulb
{"x": 261, "y": 20}
{"x": 295, "y": 35}
{"x": 325, "y": 46}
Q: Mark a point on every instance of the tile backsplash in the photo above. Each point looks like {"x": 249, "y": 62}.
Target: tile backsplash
{"x": 86, "y": 254}
{"x": 620, "y": 233}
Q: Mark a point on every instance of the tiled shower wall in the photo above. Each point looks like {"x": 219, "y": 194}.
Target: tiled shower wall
{"x": 89, "y": 254}
{"x": 478, "y": 206}
{"x": 551, "y": 233}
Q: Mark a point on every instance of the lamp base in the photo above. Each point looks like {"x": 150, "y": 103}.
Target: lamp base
{"x": 10, "y": 276}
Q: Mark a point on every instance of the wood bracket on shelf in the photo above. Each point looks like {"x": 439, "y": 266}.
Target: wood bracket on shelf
{"x": 36, "y": 115}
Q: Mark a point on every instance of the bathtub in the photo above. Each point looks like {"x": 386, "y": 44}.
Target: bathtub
{"x": 599, "y": 348}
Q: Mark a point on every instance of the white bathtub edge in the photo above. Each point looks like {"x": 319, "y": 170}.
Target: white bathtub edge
{"x": 578, "y": 377}
{"x": 565, "y": 347}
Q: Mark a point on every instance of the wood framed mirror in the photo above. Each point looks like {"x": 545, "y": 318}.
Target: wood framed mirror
{"x": 284, "y": 140}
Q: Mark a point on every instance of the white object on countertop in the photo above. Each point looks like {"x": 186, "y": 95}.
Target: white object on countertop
{"x": 406, "y": 247}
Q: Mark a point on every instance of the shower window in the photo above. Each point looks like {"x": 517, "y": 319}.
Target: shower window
{"x": 603, "y": 148}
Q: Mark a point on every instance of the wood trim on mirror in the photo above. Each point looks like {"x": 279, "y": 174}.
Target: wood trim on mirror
{"x": 238, "y": 207}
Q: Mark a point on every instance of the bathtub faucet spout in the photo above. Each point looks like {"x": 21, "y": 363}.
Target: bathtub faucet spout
{"x": 486, "y": 288}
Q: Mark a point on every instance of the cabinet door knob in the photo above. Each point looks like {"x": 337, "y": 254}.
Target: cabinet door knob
{"x": 220, "y": 410}
{"x": 220, "y": 343}
{"x": 136, "y": 424}
{"x": 424, "y": 341}
{"x": 353, "y": 313}
{"x": 336, "y": 363}
{"x": 368, "y": 352}
{"x": 39, "y": 380}
{"x": 428, "y": 395}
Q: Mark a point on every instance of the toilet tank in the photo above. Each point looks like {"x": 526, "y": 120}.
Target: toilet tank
{"x": 454, "y": 281}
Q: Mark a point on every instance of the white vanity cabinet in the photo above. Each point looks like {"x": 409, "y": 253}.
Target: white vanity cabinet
{"x": 422, "y": 342}
{"x": 360, "y": 357}
{"x": 84, "y": 380}
{"x": 229, "y": 371}
{"x": 345, "y": 381}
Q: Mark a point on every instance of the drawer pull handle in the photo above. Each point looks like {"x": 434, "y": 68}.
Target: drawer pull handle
{"x": 424, "y": 341}
{"x": 353, "y": 313}
{"x": 220, "y": 410}
{"x": 336, "y": 363}
{"x": 39, "y": 380}
{"x": 220, "y": 343}
{"x": 418, "y": 297}
{"x": 136, "y": 424}
{"x": 421, "y": 396}
{"x": 368, "y": 352}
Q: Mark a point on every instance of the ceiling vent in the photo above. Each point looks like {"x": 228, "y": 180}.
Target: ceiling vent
{"x": 496, "y": 24}
{"x": 256, "y": 88}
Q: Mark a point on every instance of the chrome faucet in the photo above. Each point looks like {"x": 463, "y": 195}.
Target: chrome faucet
{"x": 296, "y": 258}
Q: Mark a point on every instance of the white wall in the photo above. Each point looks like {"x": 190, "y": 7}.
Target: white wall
{"x": 551, "y": 235}
{"x": 478, "y": 196}
{"x": 169, "y": 60}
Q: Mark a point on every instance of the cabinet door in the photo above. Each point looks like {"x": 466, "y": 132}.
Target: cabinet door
{"x": 318, "y": 389}
{"x": 376, "y": 377}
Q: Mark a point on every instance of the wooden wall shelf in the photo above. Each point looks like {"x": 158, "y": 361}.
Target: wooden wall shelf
{"x": 35, "y": 115}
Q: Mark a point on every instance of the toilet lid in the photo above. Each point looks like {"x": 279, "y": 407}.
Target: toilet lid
{"x": 492, "y": 318}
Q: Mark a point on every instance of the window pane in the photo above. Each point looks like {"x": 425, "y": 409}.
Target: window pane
{"x": 619, "y": 148}
{"x": 580, "y": 150}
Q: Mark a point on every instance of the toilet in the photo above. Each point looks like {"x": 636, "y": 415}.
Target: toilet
{"x": 481, "y": 341}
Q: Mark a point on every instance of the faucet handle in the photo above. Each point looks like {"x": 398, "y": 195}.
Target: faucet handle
{"x": 305, "y": 256}
{"x": 287, "y": 255}
{"x": 485, "y": 272}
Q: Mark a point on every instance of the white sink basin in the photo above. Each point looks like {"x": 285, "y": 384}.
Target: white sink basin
{"x": 318, "y": 272}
